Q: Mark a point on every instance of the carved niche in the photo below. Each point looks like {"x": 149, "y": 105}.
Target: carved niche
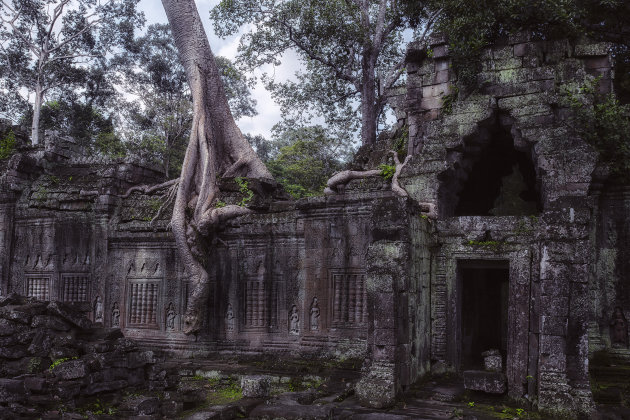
{"x": 349, "y": 298}
{"x": 38, "y": 286}
{"x": 144, "y": 281}
{"x": 75, "y": 288}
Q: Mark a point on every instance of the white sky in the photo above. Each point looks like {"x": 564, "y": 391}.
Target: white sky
{"x": 268, "y": 111}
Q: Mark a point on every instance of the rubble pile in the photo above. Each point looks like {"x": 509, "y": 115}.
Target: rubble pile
{"x": 52, "y": 358}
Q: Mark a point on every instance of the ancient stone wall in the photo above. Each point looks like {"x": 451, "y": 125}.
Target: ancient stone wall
{"x": 536, "y": 217}
{"x": 522, "y": 239}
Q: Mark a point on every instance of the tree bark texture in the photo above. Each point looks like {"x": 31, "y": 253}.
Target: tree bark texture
{"x": 216, "y": 148}
{"x": 37, "y": 109}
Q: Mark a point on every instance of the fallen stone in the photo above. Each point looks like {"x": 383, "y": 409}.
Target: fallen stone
{"x": 71, "y": 369}
{"x": 35, "y": 383}
{"x": 204, "y": 415}
{"x": 73, "y": 318}
{"x": 255, "y": 386}
{"x": 8, "y": 327}
{"x": 292, "y": 412}
{"x": 11, "y": 390}
{"x": 67, "y": 389}
{"x": 479, "y": 380}
{"x": 105, "y": 387}
{"x": 50, "y": 322}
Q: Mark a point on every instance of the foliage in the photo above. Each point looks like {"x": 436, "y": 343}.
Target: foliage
{"x": 109, "y": 144}
{"x": 243, "y": 186}
{"x": 58, "y": 362}
{"x": 387, "y": 171}
{"x": 470, "y": 26}
{"x": 56, "y": 46}
{"x": 603, "y": 122}
{"x": 351, "y": 52}
{"x": 305, "y": 159}
{"x": 7, "y": 145}
{"x": 449, "y": 100}
{"x": 157, "y": 123}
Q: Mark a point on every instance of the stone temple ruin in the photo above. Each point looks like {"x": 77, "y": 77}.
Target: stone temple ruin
{"x": 522, "y": 249}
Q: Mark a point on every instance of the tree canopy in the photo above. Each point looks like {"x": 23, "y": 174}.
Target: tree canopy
{"x": 351, "y": 52}
{"x": 53, "y": 44}
{"x": 157, "y": 122}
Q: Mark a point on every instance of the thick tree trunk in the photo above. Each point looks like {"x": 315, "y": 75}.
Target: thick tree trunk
{"x": 368, "y": 101}
{"x": 216, "y": 148}
{"x": 37, "y": 109}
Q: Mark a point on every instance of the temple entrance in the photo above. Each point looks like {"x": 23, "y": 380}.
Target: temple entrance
{"x": 483, "y": 310}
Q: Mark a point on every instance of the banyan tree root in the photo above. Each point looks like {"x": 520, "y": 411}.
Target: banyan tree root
{"x": 148, "y": 189}
{"x": 344, "y": 177}
{"x": 216, "y": 149}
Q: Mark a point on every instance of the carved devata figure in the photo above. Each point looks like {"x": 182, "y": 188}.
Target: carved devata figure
{"x": 229, "y": 319}
{"x": 315, "y": 315}
{"x": 115, "y": 315}
{"x": 619, "y": 328}
{"x": 170, "y": 317}
{"x": 98, "y": 309}
{"x": 294, "y": 321}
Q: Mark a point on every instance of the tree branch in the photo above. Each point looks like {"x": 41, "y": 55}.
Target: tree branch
{"x": 147, "y": 189}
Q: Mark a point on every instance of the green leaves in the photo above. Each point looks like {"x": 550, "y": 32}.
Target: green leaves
{"x": 603, "y": 122}
{"x": 304, "y": 160}
{"x": 7, "y": 145}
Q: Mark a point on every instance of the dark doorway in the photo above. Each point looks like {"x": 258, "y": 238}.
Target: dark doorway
{"x": 502, "y": 182}
{"x": 484, "y": 304}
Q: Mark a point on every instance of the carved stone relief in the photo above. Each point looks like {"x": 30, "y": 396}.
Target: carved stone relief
{"x": 349, "y": 299}
{"x": 115, "y": 315}
{"x": 170, "y": 317}
{"x": 98, "y": 309}
{"x": 315, "y": 314}
{"x": 229, "y": 319}
{"x": 294, "y": 321}
{"x": 75, "y": 288}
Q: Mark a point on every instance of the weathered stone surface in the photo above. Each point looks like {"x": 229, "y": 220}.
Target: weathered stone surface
{"x": 255, "y": 386}
{"x": 71, "y": 369}
{"x": 491, "y": 382}
{"x": 11, "y": 390}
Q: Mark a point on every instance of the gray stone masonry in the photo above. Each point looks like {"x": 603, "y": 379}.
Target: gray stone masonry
{"x": 363, "y": 274}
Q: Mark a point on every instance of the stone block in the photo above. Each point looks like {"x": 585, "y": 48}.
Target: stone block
{"x": 35, "y": 383}
{"x": 256, "y": 386}
{"x": 480, "y": 380}
{"x": 71, "y": 369}
{"x": 73, "y": 318}
{"x": 376, "y": 392}
{"x": 597, "y": 49}
{"x": 140, "y": 359}
{"x": 8, "y": 328}
{"x": 597, "y": 62}
{"x": 11, "y": 390}
{"x": 96, "y": 388}
{"x": 66, "y": 390}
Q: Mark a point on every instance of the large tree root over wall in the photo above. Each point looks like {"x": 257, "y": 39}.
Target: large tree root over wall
{"x": 216, "y": 149}
{"x": 344, "y": 177}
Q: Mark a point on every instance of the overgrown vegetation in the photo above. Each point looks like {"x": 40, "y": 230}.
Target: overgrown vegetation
{"x": 59, "y": 362}
{"x": 604, "y": 123}
{"x": 7, "y": 145}
{"x": 471, "y": 26}
{"x": 387, "y": 171}
{"x": 244, "y": 189}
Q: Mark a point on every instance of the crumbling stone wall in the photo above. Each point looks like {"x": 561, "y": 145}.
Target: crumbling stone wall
{"x": 363, "y": 274}
{"x": 519, "y": 93}
{"x": 51, "y": 355}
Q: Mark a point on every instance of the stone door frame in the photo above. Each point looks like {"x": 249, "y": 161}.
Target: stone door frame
{"x": 520, "y": 269}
